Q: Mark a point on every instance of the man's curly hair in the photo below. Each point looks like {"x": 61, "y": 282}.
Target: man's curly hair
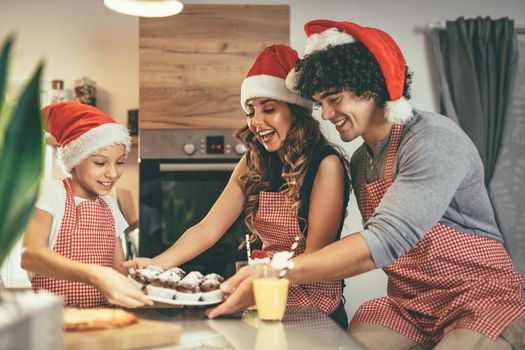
{"x": 348, "y": 67}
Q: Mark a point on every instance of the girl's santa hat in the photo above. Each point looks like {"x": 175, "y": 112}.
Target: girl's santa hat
{"x": 267, "y": 75}
{"x": 81, "y": 130}
{"x": 324, "y": 34}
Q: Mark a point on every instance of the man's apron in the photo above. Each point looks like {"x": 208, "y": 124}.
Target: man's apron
{"x": 449, "y": 279}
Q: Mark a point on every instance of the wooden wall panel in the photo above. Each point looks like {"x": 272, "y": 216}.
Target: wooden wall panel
{"x": 192, "y": 64}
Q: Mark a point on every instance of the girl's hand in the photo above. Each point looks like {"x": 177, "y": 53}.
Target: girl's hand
{"x": 138, "y": 263}
{"x": 116, "y": 288}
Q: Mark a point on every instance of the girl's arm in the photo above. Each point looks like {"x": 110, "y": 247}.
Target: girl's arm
{"x": 208, "y": 231}
{"x": 326, "y": 204}
{"x": 38, "y": 258}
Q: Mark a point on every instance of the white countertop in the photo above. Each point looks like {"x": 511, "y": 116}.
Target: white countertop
{"x": 300, "y": 328}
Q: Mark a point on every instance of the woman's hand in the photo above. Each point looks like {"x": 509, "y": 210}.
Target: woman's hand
{"x": 138, "y": 263}
{"x": 116, "y": 288}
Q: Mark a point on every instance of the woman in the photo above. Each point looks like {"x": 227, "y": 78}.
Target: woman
{"x": 291, "y": 182}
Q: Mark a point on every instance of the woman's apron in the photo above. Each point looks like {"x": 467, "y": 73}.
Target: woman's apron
{"x": 449, "y": 279}
{"x": 277, "y": 227}
{"x": 86, "y": 235}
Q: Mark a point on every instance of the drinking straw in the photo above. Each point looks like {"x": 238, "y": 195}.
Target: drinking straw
{"x": 292, "y": 250}
{"x": 248, "y": 253}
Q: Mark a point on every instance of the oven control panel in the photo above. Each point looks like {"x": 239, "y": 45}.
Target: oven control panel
{"x": 190, "y": 144}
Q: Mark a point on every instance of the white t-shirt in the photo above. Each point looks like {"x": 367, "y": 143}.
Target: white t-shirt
{"x": 52, "y": 198}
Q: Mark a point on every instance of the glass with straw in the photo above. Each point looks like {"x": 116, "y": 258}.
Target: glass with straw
{"x": 270, "y": 288}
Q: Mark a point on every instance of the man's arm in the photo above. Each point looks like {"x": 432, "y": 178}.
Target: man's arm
{"x": 345, "y": 258}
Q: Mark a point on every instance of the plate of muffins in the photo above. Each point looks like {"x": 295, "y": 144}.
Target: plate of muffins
{"x": 176, "y": 287}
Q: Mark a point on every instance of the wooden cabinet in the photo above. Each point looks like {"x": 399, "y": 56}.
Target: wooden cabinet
{"x": 192, "y": 64}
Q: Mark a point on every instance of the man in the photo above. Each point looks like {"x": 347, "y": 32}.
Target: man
{"x": 427, "y": 217}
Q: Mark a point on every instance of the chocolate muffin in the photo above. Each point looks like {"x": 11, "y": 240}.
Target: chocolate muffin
{"x": 188, "y": 286}
{"x": 167, "y": 279}
{"x": 214, "y": 276}
{"x": 196, "y": 275}
{"x": 209, "y": 285}
{"x": 147, "y": 274}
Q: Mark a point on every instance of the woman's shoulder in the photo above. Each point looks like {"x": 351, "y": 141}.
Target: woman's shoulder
{"x": 328, "y": 149}
{"x": 331, "y": 155}
{"x": 326, "y": 157}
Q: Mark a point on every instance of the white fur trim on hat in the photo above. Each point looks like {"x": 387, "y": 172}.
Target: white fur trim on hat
{"x": 321, "y": 41}
{"x": 270, "y": 87}
{"x": 88, "y": 143}
{"x": 398, "y": 111}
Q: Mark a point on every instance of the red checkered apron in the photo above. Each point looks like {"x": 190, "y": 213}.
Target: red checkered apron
{"x": 278, "y": 226}
{"x": 87, "y": 235}
{"x": 449, "y": 279}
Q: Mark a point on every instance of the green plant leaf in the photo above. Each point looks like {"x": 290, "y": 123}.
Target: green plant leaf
{"x": 21, "y": 158}
{"x": 4, "y": 68}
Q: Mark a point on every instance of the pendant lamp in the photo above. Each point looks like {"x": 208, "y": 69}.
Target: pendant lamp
{"x": 145, "y": 8}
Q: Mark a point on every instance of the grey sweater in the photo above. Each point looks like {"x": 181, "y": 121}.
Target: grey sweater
{"x": 438, "y": 177}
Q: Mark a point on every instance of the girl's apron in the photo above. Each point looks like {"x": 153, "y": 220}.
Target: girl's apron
{"x": 278, "y": 226}
{"x": 449, "y": 279}
{"x": 86, "y": 235}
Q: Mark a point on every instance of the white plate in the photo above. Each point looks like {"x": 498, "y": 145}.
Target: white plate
{"x": 184, "y": 302}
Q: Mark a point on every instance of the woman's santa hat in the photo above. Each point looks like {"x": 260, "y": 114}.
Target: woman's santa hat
{"x": 324, "y": 34}
{"x": 81, "y": 130}
{"x": 267, "y": 75}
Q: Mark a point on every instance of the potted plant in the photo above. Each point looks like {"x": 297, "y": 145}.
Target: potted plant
{"x": 27, "y": 320}
{"x": 21, "y": 154}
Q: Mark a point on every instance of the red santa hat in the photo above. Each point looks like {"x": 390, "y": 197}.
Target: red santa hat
{"x": 324, "y": 34}
{"x": 267, "y": 77}
{"x": 81, "y": 130}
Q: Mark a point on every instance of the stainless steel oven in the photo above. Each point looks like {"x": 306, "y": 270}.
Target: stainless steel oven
{"x": 182, "y": 173}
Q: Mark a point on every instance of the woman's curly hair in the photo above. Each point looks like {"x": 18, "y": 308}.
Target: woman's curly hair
{"x": 265, "y": 168}
{"x": 348, "y": 67}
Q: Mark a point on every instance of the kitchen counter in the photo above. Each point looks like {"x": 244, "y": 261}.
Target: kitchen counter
{"x": 301, "y": 328}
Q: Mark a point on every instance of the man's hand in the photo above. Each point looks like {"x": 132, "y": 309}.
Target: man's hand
{"x": 239, "y": 289}
{"x": 116, "y": 288}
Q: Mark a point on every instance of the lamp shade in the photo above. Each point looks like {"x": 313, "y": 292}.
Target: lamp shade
{"x": 145, "y": 8}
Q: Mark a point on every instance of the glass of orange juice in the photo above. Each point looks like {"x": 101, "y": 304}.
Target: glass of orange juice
{"x": 270, "y": 293}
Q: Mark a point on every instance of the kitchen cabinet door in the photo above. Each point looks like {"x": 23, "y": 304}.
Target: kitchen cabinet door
{"x": 192, "y": 65}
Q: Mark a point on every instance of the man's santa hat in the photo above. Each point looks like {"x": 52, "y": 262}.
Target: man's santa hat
{"x": 324, "y": 34}
{"x": 267, "y": 75}
{"x": 81, "y": 130}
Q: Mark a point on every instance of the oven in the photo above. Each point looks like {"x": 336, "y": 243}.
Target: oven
{"x": 182, "y": 173}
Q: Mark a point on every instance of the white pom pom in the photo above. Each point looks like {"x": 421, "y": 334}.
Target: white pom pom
{"x": 398, "y": 111}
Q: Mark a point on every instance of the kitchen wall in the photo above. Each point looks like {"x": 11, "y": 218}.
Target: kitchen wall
{"x": 81, "y": 37}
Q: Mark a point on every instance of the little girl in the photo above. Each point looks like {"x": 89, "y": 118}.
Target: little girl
{"x": 71, "y": 246}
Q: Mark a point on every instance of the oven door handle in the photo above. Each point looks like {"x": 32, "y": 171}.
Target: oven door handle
{"x": 197, "y": 167}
